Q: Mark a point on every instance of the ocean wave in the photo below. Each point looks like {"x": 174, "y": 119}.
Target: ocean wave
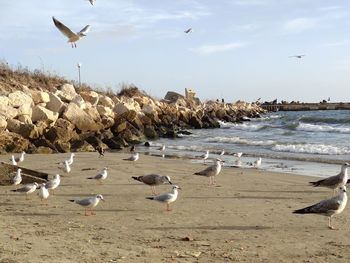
{"x": 327, "y": 120}
{"x": 238, "y": 140}
{"x": 312, "y": 149}
{"x": 248, "y": 126}
{"x": 321, "y": 128}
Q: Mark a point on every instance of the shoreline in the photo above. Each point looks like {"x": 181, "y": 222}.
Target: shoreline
{"x": 248, "y": 217}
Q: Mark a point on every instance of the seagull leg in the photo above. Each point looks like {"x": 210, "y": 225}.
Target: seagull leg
{"x": 168, "y": 207}
{"x": 92, "y": 211}
{"x": 86, "y": 212}
{"x": 330, "y": 223}
{"x": 153, "y": 190}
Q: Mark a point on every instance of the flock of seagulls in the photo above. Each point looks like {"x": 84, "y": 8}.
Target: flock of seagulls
{"x": 329, "y": 207}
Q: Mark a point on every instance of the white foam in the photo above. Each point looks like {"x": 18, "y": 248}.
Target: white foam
{"x": 312, "y": 148}
{"x": 321, "y": 128}
{"x": 238, "y": 140}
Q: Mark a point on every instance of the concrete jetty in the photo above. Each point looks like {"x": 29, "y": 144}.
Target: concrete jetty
{"x": 306, "y": 106}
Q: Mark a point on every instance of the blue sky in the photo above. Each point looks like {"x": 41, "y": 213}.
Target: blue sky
{"x": 239, "y": 49}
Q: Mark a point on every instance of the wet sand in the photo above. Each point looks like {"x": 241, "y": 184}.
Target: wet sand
{"x": 246, "y": 218}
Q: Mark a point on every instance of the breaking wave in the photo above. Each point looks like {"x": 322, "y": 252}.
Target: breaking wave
{"x": 321, "y": 128}
{"x": 311, "y": 148}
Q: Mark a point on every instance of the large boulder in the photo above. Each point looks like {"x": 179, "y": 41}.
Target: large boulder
{"x": 62, "y": 131}
{"x": 25, "y": 119}
{"x": 13, "y": 142}
{"x": 25, "y": 109}
{"x": 3, "y": 123}
{"x": 28, "y": 131}
{"x": 43, "y": 114}
{"x": 4, "y": 100}
{"x": 105, "y": 111}
{"x": 196, "y": 122}
{"x": 66, "y": 92}
{"x": 106, "y": 101}
{"x": 18, "y": 98}
{"x": 90, "y": 96}
{"x": 79, "y": 101}
{"x": 8, "y": 111}
{"x": 82, "y": 120}
{"x": 40, "y": 96}
{"x": 94, "y": 114}
{"x": 55, "y": 104}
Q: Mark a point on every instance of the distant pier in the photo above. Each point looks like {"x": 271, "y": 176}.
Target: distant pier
{"x": 306, "y": 106}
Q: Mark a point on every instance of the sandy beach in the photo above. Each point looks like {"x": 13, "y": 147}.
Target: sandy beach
{"x": 246, "y": 218}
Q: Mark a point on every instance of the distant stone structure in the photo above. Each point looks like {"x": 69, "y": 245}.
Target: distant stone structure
{"x": 190, "y": 94}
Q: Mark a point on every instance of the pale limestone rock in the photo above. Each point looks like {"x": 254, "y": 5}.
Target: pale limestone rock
{"x": 25, "y": 109}
{"x": 19, "y": 98}
{"x": 4, "y": 100}
{"x": 66, "y": 92}
{"x": 8, "y": 111}
{"x": 80, "y": 118}
{"x": 90, "y": 96}
{"x": 25, "y": 119}
{"x": 40, "y": 96}
{"x": 105, "y": 111}
{"x": 3, "y": 123}
{"x": 79, "y": 101}
{"x": 106, "y": 101}
{"x": 13, "y": 125}
{"x": 55, "y": 104}
{"x": 93, "y": 113}
{"x": 43, "y": 114}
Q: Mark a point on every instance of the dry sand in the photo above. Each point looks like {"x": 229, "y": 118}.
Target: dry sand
{"x": 247, "y": 218}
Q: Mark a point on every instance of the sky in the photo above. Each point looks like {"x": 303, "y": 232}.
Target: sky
{"x": 238, "y": 50}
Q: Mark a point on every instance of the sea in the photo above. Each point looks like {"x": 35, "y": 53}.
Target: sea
{"x": 313, "y": 143}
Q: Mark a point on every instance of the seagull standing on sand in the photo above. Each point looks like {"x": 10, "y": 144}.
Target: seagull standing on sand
{"x": 17, "y": 179}
{"x": 70, "y": 160}
{"x": 257, "y": 163}
{"x": 205, "y": 156}
{"x": 222, "y": 152}
{"x": 167, "y": 198}
{"x": 328, "y": 207}
{"x": 13, "y": 160}
{"x": 89, "y": 203}
{"x": 335, "y": 181}
{"x": 162, "y": 148}
{"x": 134, "y": 157}
{"x": 27, "y": 189}
{"x": 18, "y": 159}
{"x": 66, "y": 167}
{"x": 43, "y": 192}
{"x": 238, "y": 155}
{"x": 211, "y": 171}
{"x": 101, "y": 175}
{"x": 153, "y": 180}
{"x": 72, "y": 37}
{"x": 53, "y": 183}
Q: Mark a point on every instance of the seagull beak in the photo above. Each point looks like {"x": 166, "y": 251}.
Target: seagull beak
{"x": 170, "y": 182}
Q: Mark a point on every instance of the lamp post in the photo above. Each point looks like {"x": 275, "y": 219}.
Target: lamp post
{"x": 79, "y": 66}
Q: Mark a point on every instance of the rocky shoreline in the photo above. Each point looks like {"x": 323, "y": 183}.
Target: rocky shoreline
{"x": 68, "y": 119}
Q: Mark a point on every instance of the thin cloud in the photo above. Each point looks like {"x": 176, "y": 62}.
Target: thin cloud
{"x": 250, "y": 2}
{"x": 300, "y": 24}
{"x": 218, "y": 48}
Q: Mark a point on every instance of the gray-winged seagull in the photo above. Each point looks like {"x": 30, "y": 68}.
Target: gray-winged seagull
{"x": 72, "y": 37}
{"x": 167, "y": 198}
{"x": 27, "y": 189}
{"x": 211, "y": 171}
{"x": 43, "y": 192}
{"x": 53, "y": 183}
{"x": 17, "y": 179}
{"x": 328, "y": 207}
{"x": 102, "y": 175}
{"x": 153, "y": 180}
{"x": 89, "y": 203}
{"x": 134, "y": 157}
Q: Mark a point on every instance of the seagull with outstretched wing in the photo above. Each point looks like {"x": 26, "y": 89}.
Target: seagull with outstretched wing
{"x": 297, "y": 56}
{"x": 72, "y": 37}
{"x": 188, "y": 30}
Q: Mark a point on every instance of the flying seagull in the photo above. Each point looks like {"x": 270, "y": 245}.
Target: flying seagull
{"x": 328, "y": 207}
{"x": 188, "y": 30}
{"x": 72, "y": 37}
{"x": 89, "y": 203}
{"x": 153, "y": 180}
{"x": 92, "y": 2}
{"x": 167, "y": 197}
{"x": 211, "y": 171}
{"x": 335, "y": 181}
{"x": 297, "y": 56}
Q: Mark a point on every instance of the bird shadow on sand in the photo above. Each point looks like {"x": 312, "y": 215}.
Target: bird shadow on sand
{"x": 215, "y": 228}
{"x": 243, "y": 197}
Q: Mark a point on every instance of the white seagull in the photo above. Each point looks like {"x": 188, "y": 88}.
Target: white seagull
{"x": 211, "y": 171}
{"x": 66, "y": 167}
{"x": 134, "y": 157}
{"x": 13, "y": 160}
{"x": 89, "y": 203}
{"x": 328, "y": 207}
{"x": 72, "y": 37}
{"x": 17, "y": 179}
{"x": 205, "y": 156}
{"x": 222, "y": 152}
{"x": 101, "y": 175}
{"x": 238, "y": 155}
{"x": 53, "y": 183}
{"x": 43, "y": 192}
{"x": 162, "y": 148}
{"x": 335, "y": 181}
{"x": 257, "y": 163}
{"x": 18, "y": 159}
{"x": 167, "y": 198}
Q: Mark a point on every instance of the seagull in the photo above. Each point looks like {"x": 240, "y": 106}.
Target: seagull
{"x": 205, "y": 156}
{"x": 18, "y": 159}
{"x": 13, "y": 160}
{"x": 297, "y": 56}
{"x": 101, "y": 175}
{"x": 70, "y": 160}
{"x": 211, "y": 171}
{"x": 188, "y": 30}
{"x": 89, "y": 203}
{"x": 53, "y": 183}
{"x": 43, "y": 192}
{"x": 17, "y": 179}
{"x": 167, "y": 197}
{"x": 134, "y": 157}
{"x": 100, "y": 150}
{"x": 328, "y": 207}
{"x": 72, "y": 37}
{"x": 153, "y": 180}
{"x": 222, "y": 152}
{"x": 257, "y": 163}
{"x": 66, "y": 167}
{"x": 92, "y": 2}
{"x": 132, "y": 149}
{"x": 27, "y": 189}
{"x": 162, "y": 148}
{"x": 335, "y": 181}
{"x": 238, "y": 155}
